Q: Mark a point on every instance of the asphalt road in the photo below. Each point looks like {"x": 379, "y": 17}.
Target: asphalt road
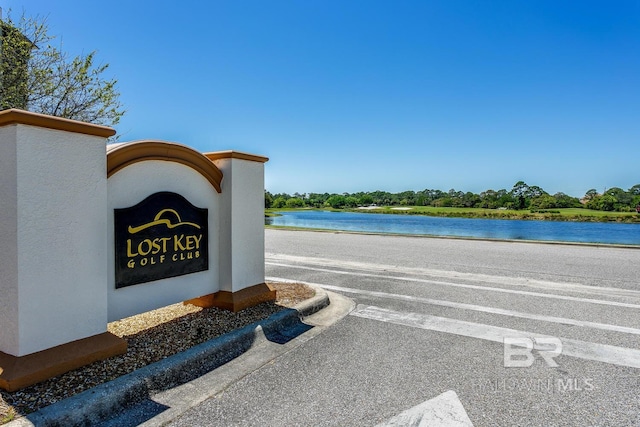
{"x": 432, "y": 316}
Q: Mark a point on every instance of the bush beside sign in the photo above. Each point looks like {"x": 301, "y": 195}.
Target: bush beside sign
{"x": 162, "y": 236}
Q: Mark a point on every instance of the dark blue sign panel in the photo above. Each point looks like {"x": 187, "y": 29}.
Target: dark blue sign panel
{"x": 162, "y": 236}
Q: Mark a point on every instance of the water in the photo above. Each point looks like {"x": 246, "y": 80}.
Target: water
{"x": 586, "y": 232}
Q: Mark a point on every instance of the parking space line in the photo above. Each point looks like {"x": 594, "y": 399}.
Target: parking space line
{"x": 478, "y": 308}
{"x": 603, "y": 291}
{"x": 620, "y": 356}
{"x": 461, "y": 285}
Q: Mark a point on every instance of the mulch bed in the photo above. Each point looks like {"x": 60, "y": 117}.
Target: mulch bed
{"x": 151, "y": 337}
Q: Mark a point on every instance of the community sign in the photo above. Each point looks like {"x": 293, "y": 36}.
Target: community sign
{"x": 162, "y": 236}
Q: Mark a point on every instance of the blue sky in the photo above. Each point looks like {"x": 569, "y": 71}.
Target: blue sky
{"x": 347, "y": 96}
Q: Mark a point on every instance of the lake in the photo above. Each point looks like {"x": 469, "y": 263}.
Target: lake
{"x": 585, "y": 232}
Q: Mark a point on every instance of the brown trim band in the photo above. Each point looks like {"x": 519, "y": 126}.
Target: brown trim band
{"x": 20, "y": 372}
{"x": 230, "y": 154}
{"x": 236, "y": 301}
{"x": 120, "y": 156}
{"x": 21, "y": 117}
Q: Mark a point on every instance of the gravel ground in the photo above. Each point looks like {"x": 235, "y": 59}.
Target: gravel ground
{"x": 151, "y": 336}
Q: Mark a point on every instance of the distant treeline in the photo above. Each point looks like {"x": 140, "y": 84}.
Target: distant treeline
{"x": 521, "y": 196}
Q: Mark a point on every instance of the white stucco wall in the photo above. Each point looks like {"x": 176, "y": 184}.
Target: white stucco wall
{"x": 9, "y": 329}
{"x": 128, "y": 187}
{"x": 242, "y": 241}
{"x": 60, "y": 251}
{"x": 57, "y": 235}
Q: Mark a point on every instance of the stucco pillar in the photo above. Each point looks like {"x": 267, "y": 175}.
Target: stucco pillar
{"x": 53, "y": 260}
{"x": 241, "y": 237}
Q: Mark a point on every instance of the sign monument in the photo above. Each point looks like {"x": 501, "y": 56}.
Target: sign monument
{"x": 89, "y": 237}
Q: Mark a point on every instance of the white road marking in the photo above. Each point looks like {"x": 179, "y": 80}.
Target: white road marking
{"x": 454, "y": 275}
{"x": 460, "y": 285}
{"x": 620, "y": 356}
{"x": 445, "y": 410}
{"x": 473, "y": 307}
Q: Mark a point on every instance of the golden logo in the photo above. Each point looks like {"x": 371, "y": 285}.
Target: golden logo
{"x": 158, "y": 220}
{"x": 162, "y": 236}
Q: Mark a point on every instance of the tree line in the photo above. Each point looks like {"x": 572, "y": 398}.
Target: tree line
{"x": 521, "y": 196}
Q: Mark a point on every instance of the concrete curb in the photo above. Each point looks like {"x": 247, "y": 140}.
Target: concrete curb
{"x": 106, "y": 400}
{"x": 314, "y": 304}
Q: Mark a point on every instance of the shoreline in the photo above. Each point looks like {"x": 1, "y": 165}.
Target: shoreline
{"x": 476, "y": 213}
{"x": 435, "y": 236}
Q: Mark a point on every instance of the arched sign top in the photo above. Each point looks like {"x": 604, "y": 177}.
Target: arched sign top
{"x": 120, "y": 156}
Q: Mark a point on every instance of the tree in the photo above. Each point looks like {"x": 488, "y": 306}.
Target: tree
{"x": 14, "y": 58}
{"x": 606, "y": 202}
{"x": 519, "y": 192}
{"x": 39, "y": 77}
{"x": 470, "y": 200}
{"x": 351, "y": 202}
{"x": 566, "y": 201}
{"x": 336, "y": 201}
{"x": 268, "y": 200}
{"x": 623, "y": 199}
{"x": 317, "y": 200}
{"x": 535, "y": 191}
{"x": 489, "y": 199}
{"x": 294, "y": 202}
{"x": 365, "y": 199}
{"x": 590, "y": 194}
{"x": 543, "y": 201}
{"x": 279, "y": 203}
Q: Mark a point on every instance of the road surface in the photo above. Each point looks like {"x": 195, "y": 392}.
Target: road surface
{"x": 516, "y": 333}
